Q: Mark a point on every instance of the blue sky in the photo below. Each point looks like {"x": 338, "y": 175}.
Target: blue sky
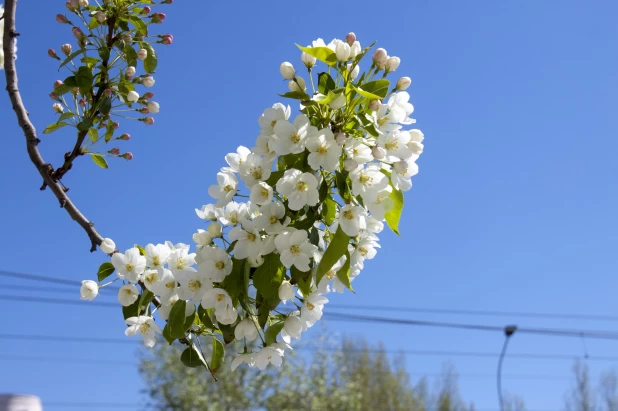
{"x": 513, "y": 208}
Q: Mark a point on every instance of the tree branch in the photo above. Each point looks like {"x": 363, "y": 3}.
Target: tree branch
{"x": 45, "y": 169}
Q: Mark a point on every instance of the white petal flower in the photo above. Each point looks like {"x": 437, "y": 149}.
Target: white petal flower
{"x": 307, "y": 59}
{"x": 300, "y": 188}
{"x": 342, "y": 51}
{"x": 338, "y": 102}
{"x": 402, "y": 173}
{"x": 234, "y": 160}
{"x": 243, "y": 358}
{"x": 157, "y": 255}
{"x": 311, "y": 310}
{"x": 208, "y": 212}
{"x": 193, "y": 286}
{"x": 108, "y": 246}
{"x": 381, "y": 203}
{"x": 270, "y": 218}
{"x": 233, "y": 213}
{"x": 130, "y": 265}
{"x": 398, "y": 104}
{"x": 268, "y": 355}
{"x": 367, "y": 181}
{"x": 298, "y": 85}
{"x": 352, "y": 219}
{"x": 254, "y": 169}
{"x": 290, "y": 137}
{"x": 132, "y": 96}
{"x": 286, "y": 291}
{"x": 358, "y": 151}
{"x": 166, "y": 286}
{"x": 324, "y": 150}
{"x": 142, "y": 325}
{"x": 295, "y": 250}
{"x": 128, "y": 294}
{"x": 287, "y": 70}
{"x": 416, "y": 141}
{"x": 89, "y": 290}
{"x": 324, "y": 285}
{"x": 216, "y": 263}
{"x": 247, "y": 328}
{"x": 180, "y": 260}
{"x": 365, "y": 250}
{"x": 227, "y": 316}
{"x": 270, "y": 117}
{"x": 249, "y": 241}
{"x": 202, "y": 237}
{"x": 165, "y": 308}
{"x": 293, "y": 326}
{"x": 396, "y": 145}
{"x": 216, "y": 298}
{"x": 225, "y": 189}
{"x": 261, "y": 194}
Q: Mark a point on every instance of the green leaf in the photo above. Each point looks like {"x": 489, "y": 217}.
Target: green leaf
{"x": 298, "y": 95}
{"x": 84, "y": 125}
{"x": 99, "y": 160}
{"x": 394, "y": 215}
{"x": 336, "y": 249}
{"x": 109, "y": 134}
{"x": 269, "y": 276}
{"x": 141, "y": 249}
{"x": 305, "y": 287}
{"x": 325, "y": 83}
{"x": 130, "y": 55}
{"x": 93, "y": 134}
{"x": 90, "y": 61}
{"x": 377, "y": 87}
{"x": 66, "y": 115}
{"x": 84, "y": 79}
{"x": 325, "y": 99}
{"x": 70, "y": 81}
{"x": 105, "y": 270}
{"x": 204, "y": 316}
{"x": 297, "y": 161}
{"x": 131, "y": 310}
{"x": 234, "y": 281}
{"x": 150, "y": 64}
{"x": 193, "y": 358}
{"x": 105, "y": 106}
{"x": 218, "y": 353}
{"x": 69, "y": 58}
{"x": 329, "y": 211}
{"x": 63, "y": 89}
{"x": 145, "y": 300}
{"x": 323, "y": 191}
{"x": 274, "y": 177}
{"x": 103, "y": 53}
{"x": 341, "y": 181}
{"x": 344, "y": 272}
{"x": 139, "y": 24}
{"x": 176, "y": 320}
{"x": 53, "y": 127}
{"x": 94, "y": 23}
{"x": 324, "y": 54}
{"x": 366, "y": 94}
{"x": 272, "y": 331}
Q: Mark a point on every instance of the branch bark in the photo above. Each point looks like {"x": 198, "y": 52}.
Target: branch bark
{"x": 45, "y": 169}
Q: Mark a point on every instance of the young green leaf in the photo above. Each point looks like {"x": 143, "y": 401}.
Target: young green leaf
{"x": 176, "y": 320}
{"x": 99, "y": 160}
{"x": 324, "y": 54}
{"x": 325, "y": 83}
{"x": 193, "y": 358}
{"x": 378, "y": 88}
{"x": 55, "y": 126}
{"x": 337, "y": 248}
{"x": 298, "y": 95}
{"x": 272, "y": 331}
{"x": 130, "y": 55}
{"x": 329, "y": 211}
{"x": 105, "y": 270}
{"x": 344, "y": 272}
{"x": 269, "y": 276}
{"x": 394, "y": 215}
{"x": 234, "y": 281}
{"x": 218, "y": 353}
{"x": 150, "y": 64}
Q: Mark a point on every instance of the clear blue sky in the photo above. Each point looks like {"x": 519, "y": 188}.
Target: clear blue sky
{"x": 514, "y": 207}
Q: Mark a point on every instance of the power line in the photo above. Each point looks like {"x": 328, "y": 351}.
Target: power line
{"x": 494, "y": 313}
{"x": 438, "y": 353}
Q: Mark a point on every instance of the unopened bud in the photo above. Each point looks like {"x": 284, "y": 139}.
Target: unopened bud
{"x": 82, "y": 102}
{"x": 391, "y": 64}
{"x": 127, "y": 38}
{"x": 54, "y": 96}
{"x": 61, "y": 19}
{"x": 77, "y": 32}
{"x": 148, "y": 81}
{"x": 350, "y": 38}
{"x": 148, "y": 95}
{"x": 341, "y": 138}
{"x": 298, "y": 84}
{"x": 146, "y": 10}
{"x": 158, "y": 18}
{"x": 58, "y": 83}
{"x": 403, "y": 83}
{"x": 287, "y": 70}
{"x": 375, "y": 105}
{"x": 132, "y": 96}
{"x": 149, "y": 120}
{"x": 142, "y": 54}
{"x": 379, "y": 56}
{"x": 83, "y": 3}
{"x": 72, "y": 4}
{"x": 100, "y": 16}
{"x": 66, "y": 49}
{"x": 108, "y": 246}
{"x": 167, "y": 39}
{"x": 115, "y": 151}
{"x": 153, "y": 106}
{"x": 378, "y": 153}
{"x": 349, "y": 164}
{"x": 144, "y": 110}
{"x": 125, "y": 137}
{"x": 130, "y": 71}
{"x": 108, "y": 93}
{"x": 127, "y": 156}
{"x": 115, "y": 125}
{"x": 58, "y": 107}
{"x": 52, "y": 53}
{"x": 215, "y": 229}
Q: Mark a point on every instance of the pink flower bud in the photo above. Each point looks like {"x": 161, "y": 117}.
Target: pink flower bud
{"x": 127, "y": 38}
{"x": 100, "y": 16}
{"x": 142, "y": 54}
{"x": 375, "y": 105}
{"x": 125, "y": 136}
{"x": 66, "y": 49}
{"x": 58, "y": 108}
{"x": 379, "y": 56}
{"x": 72, "y": 4}
{"x": 127, "y": 156}
{"x": 77, "y": 32}
{"x": 146, "y": 10}
{"x": 350, "y": 38}
{"x": 130, "y": 72}
{"x": 167, "y": 39}
{"x": 148, "y": 95}
{"x": 58, "y": 83}
{"x": 108, "y": 93}
{"x": 52, "y": 53}
{"x": 341, "y": 138}
{"x": 54, "y": 96}
{"x": 158, "y": 18}
{"x": 115, "y": 151}
{"x": 82, "y": 102}
{"x": 144, "y": 110}
{"x": 148, "y": 80}
{"x": 61, "y": 19}
{"x": 115, "y": 125}
{"x": 149, "y": 120}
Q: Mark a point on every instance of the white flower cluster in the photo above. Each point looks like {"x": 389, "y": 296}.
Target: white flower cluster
{"x": 318, "y": 188}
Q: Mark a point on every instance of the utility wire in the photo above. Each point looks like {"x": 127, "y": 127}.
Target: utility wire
{"x": 402, "y": 309}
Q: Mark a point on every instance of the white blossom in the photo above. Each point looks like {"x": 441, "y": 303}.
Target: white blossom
{"x": 243, "y": 358}
{"x": 89, "y": 290}
{"x": 324, "y": 150}
{"x": 107, "y": 246}
{"x": 352, "y": 219}
{"x": 234, "y": 160}
{"x": 402, "y": 173}
{"x": 202, "y": 237}
{"x": 249, "y": 241}
{"x": 130, "y": 265}
{"x": 145, "y": 326}
{"x": 193, "y": 286}
{"x": 225, "y": 189}
{"x": 216, "y": 263}
{"x": 270, "y": 218}
{"x": 270, "y": 117}
{"x": 290, "y": 137}
{"x": 247, "y": 328}
{"x": 261, "y": 194}
{"x": 286, "y": 291}
{"x": 287, "y": 70}
{"x": 166, "y": 285}
{"x": 358, "y": 151}
{"x": 381, "y": 203}
{"x": 295, "y": 249}
{"x": 254, "y": 169}
{"x": 311, "y": 310}
{"x": 157, "y": 255}
{"x": 396, "y": 145}
{"x": 268, "y": 355}
{"x": 128, "y": 294}
{"x": 300, "y": 188}
{"x": 207, "y": 212}
{"x": 367, "y": 181}
{"x": 233, "y": 213}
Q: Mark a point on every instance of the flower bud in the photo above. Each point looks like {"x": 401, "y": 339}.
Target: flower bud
{"x": 127, "y": 156}
{"x": 354, "y": 72}
{"x": 83, "y": 3}
{"x": 144, "y": 110}
{"x": 132, "y": 96}
{"x": 130, "y": 71}
{"x": 375, "y": 105}
{"x": 66, "y": 49}
{"x": 107, "y": 246}
{"x": 89, "y": 290}
{"x": 61, "y": 19}
{"x": 101, "y": 16}
{"x": 401, "y": 167}
{"x": 342, "y": 51}
{"x": 349, "y": 164}
{"x": 125, "y": 136}
{"x": 52, "y": 53}
{"x": 115, "y": 125}
{"x": 215, "y": 229}
{"x": 77, "y": 32}
{"x": 127, "y": 38}
{"x": 115, "y": 151}
{"x": 82, "y": 102}
{"x": 54, "y": 96}
{"x": 72, "y": 4}
{"x": 149, "y": 120}
{"x": 403, "y": 83}
{"x": 167, "y": 39}
{"x": 148, "y": 95}
{"x": 379, "y": 55}
{"x": 286, "y": 291}
{"x": 355, "y": 49}
{"x": 341, "y": 138}
{"x": 142, "y": 54}
{"x": 287, "y": 70}
{"x": 146, "y": 10}
{"x": 108, "y": 93}
{"x": 391, "y": 64}
{"x": 298, "y": 84}
{"x": 202, "y": 238}
{"x": 350, "y": 38}
{"x": 378, "y": 153}
{"x": 58, "y": 108}
{"x": 158, "y": 18}
{"x": 308, "y": 60}
{"x": 148, "y": 81}
{"x": 337, "y": 103}
{"x": 153, "y": 106}
{"x": 58, "y": 83}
